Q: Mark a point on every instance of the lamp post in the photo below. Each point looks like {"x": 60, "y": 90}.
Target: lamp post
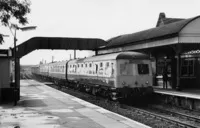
{"x": 15, "y": 55}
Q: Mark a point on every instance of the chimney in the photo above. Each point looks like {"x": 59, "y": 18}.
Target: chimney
{"x": 160, "y": 19}
{"x": 162, "y": 15}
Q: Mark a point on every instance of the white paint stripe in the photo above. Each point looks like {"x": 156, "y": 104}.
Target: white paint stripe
{"x": 134, "y": 124}
{"x": 127, "y": 120}
{"x": 101, "y": 119}
{"x": 85, "y": 103}
{"x": 61, "y": 110}
{"x": 102, "y": 110}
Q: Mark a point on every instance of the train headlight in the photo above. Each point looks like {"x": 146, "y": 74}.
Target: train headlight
{"x": 147, "y": 82}
{"x": 123, "y": 83}
{"x": 136, "y": 83}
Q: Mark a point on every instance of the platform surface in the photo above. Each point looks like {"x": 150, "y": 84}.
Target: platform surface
{"x": 44, "y": 107}
{"x": 187, "y": 93}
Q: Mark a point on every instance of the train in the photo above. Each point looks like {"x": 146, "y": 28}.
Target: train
{"x": 116, "y": 76}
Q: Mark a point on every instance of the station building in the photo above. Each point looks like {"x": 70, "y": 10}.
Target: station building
{"x": 173, "y": 44}
{"x": 6, "y": 76}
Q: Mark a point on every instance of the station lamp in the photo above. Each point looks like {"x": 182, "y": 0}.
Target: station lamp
{"x": 15, "y": 27}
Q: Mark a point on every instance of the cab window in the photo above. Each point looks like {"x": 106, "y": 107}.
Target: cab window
{"x": 143, "y": 69}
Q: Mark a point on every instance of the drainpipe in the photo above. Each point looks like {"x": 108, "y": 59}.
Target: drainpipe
{"x": 178, "y": 54}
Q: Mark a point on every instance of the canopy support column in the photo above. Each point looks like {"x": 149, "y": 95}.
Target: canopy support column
{"x": 178, "y": 64}
{"x": 74, "y": 54}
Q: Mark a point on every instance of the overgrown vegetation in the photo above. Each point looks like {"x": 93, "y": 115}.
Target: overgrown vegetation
{"x": 13, "y": 9}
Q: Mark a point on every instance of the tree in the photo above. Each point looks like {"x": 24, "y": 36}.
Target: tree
{"x": 13, "y": 9}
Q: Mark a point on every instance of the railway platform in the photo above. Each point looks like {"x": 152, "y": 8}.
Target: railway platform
{"x": 41, "y": 106}
{"x": 187, "y": 98}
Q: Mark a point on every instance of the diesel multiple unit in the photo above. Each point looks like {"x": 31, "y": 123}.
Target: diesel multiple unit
{"x": 117, "y": 75}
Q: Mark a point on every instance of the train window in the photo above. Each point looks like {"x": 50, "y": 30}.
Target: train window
{"x": 126, "y": 69}
{"x": 143, "y": 69}
{"x": 101, "y": 64}
{"x": 107, "y": 64}
{"x": 96, "y": 68}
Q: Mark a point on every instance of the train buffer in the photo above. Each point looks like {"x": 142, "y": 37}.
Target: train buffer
{"x": 42, "y": 106}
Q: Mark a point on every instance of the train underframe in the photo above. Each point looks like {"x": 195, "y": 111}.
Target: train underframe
{"x": 125, "y": 94}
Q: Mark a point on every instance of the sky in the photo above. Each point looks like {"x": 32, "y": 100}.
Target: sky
{"x": 102, "y": 19}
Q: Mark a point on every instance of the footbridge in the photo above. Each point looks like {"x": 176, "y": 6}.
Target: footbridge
{"x": 59, "y": 43}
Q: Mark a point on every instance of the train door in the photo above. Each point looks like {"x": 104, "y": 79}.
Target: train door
{"x": 66, "y": 70}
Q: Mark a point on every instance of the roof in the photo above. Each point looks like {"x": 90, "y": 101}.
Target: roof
{"x": 170, "y": 20}
{"x": 164, "y": 31}
{"x": 4, "y": 53}
{"x": 112, "y": 56}
{"x": 58, "y": 63}
{"x": 59, "y": 43}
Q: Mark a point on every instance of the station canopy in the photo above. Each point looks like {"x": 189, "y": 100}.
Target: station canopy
{"x": 162, "y": 32}
{"x": 60, "y": 43}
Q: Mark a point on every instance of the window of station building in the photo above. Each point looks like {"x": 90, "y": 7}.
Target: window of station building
{"x": 187, "y": 67}
{"x": 161, "y": 64}
{"x": 90, "y": 65}
{"x": 86, "y": 65}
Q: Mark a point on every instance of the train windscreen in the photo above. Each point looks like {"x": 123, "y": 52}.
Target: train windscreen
{"x": 143, "y": 69}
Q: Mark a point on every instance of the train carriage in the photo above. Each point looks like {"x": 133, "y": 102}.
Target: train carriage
{"x": 44, "y": 70}
{"x": 57, "y": 70}
{"x": 118, "y": 74}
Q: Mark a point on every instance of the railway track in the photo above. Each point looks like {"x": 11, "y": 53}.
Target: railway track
{"x": 153, "y": 116}
{"x": 175, "y": 118}
{"x": 190, "y": 119}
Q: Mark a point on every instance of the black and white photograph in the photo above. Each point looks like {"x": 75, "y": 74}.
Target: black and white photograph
{"x": 99, "y": 64}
